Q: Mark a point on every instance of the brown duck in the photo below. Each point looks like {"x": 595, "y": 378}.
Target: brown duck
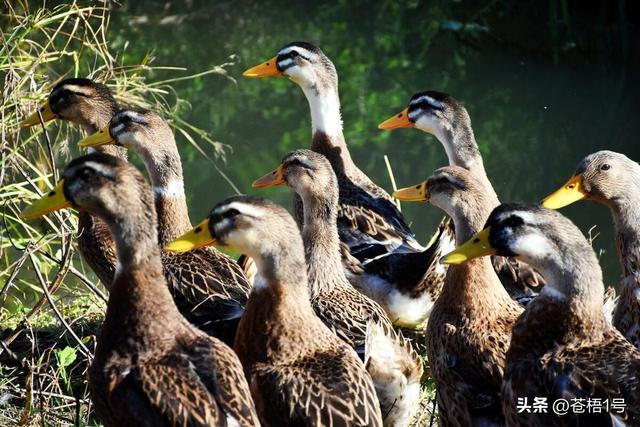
{"x": 300, "y": 372}
{"x": 396, "y": 369}
{"x": 562, "y": 347}
{"x": 151, "y": 367}
{"x": 90, "y": 105}
{"x": 469, "y": 329}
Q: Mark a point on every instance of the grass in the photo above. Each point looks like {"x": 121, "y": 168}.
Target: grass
{"x": 51, "y": 304}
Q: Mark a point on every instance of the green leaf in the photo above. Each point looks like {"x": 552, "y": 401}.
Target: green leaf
{"x": 66, "y": 356}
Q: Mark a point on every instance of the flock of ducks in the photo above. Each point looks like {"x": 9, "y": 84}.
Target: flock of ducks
{"x": 301, "y": 333}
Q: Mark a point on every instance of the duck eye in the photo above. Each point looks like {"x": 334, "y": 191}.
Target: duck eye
{"x": 85, "y": 172}
{"x": 513, "y": 221}
{"x": 605, "y": 167}
{"x": 231, "y": 213}
{"x": 294, "y": 53}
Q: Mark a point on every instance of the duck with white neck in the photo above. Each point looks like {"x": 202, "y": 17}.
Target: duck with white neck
{"x": 369, "y": 222}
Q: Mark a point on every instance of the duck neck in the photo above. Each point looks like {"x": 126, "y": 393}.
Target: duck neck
{"x": 460, "y": 145}
{"x": 278, "y": 315}
{"x": 322, "y": 245}
{"x": 139, "y": 298}
{"x": 475, "y": 281}
{"x": 99, "y": 117}
{"x": 136, "y": 240}
{"x": 471, "y": 212}
{"x": 574, "y": 278}
{"x": 326, "y": 125}
{"x": 626, "y": 215}
{"x": 282, "y": 281}
{"x": 165, "y": 171}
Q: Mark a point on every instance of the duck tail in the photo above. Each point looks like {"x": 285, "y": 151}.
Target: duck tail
{"x": 396, "y": 370}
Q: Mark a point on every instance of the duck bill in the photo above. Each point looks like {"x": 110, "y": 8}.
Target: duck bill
{"x": 102, "y": 137}
{"x": 400, "y": 120}
{"x": 53, "y": 201}
{"x": 271, "y": 179}
{"x": 34, "y": 118}
{"x": 266, "y": 69}
{"x": 415, "y": 193}
{"x": 570, "y": 192}
{"x": 475, "y": 247}
{"x": 199, "y": 237}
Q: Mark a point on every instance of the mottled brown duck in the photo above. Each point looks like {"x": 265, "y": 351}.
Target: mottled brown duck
{"x": 613, "y": 179}
{"x": 208, "y": 287}
{"x": 300, "y": 372}
{"x": 151, "y": 366}
{"x": 562, "y": 347}
{"x": 90, "y": 105}
{"x": 394, "y": 366}
{"x": 444, "y": 117}
{"x": 399, "y": 272}
{"x": 469, "y": 329}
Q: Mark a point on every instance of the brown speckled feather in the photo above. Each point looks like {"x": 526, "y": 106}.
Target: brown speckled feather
{"x": 324, "y": 389}
{"x": 209, "y": 289}
{"x": 151, "y": 366}
{"x": 347, "y": 312}
{"x": 597, "y": 367}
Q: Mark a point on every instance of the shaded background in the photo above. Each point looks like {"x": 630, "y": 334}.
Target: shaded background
{"x": 545, "y": 83}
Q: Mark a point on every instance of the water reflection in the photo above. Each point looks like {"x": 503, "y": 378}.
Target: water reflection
{"x": 535, "y": 112}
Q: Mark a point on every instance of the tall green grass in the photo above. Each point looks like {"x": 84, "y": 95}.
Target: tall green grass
{"x": 50, "y": 303}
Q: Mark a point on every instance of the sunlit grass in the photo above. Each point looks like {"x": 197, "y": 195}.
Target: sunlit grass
{"x": 50, "y": 304}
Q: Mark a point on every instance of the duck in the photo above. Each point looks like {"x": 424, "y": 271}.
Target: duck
{"x": 612, "y": 179}
{"x": 300, "y": 372}
{"x": 561, "y": 347}
{"x": 90, "y": 105}
{"x": 151, "y": 366}
{"x": 209, "y": 287}
{"x": 446, "y": 118}
{"x": 391, "y": 262}
{"x": 469, "y": 330}
{"x": 395, "y": 367}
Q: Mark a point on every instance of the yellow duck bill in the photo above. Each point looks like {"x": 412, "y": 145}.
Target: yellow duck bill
{"x": 415, "y": 193}
{"x": 271, "y": 179}
{"x": 266, "y": 69}
{"x": 475, "y": 247}
{"x": 400, "y": 120}
{"x": 53, "y": 201}
{"x": 102, "y": 137}
{"x": 34, "y": 119}
{"x": 570, "y": 192}
{"x": 199, "y": 237}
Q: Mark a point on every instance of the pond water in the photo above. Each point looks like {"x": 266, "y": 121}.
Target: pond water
{"x": 540, "y": 91}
